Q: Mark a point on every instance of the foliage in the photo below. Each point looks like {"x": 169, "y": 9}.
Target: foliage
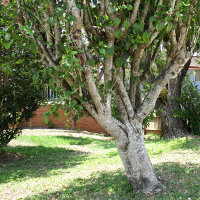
{"x": 189, "y": 102}
{"x": 110, "y": 33}
{"x": 95, "y": 51}
{"x": 19, "y": 71}
{"x": 19, "y": 99}
{"x": 68, "y": 165}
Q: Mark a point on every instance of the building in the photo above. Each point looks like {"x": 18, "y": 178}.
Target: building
{"x": 88, "y": 123}
{"x": 194, "y": 70}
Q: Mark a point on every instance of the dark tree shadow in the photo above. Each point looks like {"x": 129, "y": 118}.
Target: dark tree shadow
{"x": 77, "y": 140}
{"x": 188, "y": 144}
{"x": 182, "y": 182}
{"x": 38, "y": 162}
{"x": 106, "y": 144}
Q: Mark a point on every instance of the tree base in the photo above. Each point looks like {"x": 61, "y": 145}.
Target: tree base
{"x": 149, "y": 189}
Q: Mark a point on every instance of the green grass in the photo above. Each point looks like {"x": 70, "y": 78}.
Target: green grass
{"x": 74, "y": 166}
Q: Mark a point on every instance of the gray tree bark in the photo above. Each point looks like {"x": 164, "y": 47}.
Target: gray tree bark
{"x": 137, "y": 164}
{"x": 131, "y": 147}
{"x": 173, "y": 127}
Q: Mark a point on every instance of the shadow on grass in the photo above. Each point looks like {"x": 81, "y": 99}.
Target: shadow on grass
{"x": 162, "y": 146}
{"x": 189, "y": 143}
{"x": 182, "y": 182}
{"x": 86, "y": 140}
{"x": 77, "y": 140}
{"x": 113, "y": 185}
{"x": 39, "y": 162}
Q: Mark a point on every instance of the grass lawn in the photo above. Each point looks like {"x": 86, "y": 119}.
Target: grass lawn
{"x": 57, "y": 164}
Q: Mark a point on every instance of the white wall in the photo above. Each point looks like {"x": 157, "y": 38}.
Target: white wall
{"x": 191, "y": 72}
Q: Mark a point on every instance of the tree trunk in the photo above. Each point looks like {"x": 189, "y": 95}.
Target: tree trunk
{"x": 172, "y": 127}
{"x": 137, "y": 164}
{"x": 134, "y": 156}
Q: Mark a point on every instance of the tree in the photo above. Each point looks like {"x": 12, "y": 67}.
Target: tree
{"x": 19, "y": 96}
{"x": 173, "y": 126}
{"x": 94, "y": 51}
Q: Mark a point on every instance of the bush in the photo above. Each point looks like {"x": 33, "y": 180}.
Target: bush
{"x": 189, "y": 102}
{"x": 21, "y": 85}
{"x": 19, "y": 98}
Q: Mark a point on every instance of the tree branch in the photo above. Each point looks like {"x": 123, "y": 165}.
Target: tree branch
{"x": 47, "y": 30}
{"x": 135, "y": 12}
{"x": 145, "y": 11}
{"x": 167, "y": 74}
{"x": 125, "y": 98}
{"x": 93, "y": 90}
{"x": 108, "y": 10}
{"x": 102, "y": 8}
{"x": 135, "y": 73}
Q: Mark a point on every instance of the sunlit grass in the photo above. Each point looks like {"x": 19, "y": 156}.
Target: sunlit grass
{"x": 83, "y": 166}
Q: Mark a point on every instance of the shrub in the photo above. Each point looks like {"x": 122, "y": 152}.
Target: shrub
{"x": 189, "y": 102}
{"x": 19, "y": 98}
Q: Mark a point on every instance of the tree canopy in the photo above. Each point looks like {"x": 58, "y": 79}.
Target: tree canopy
{"x": 19, "y": 95}
{"x": 100, "y": 52}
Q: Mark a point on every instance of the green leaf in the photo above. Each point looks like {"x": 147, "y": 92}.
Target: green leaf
{"x": 6, "y": 45}
{"x": 159, "y": 25}
{"x": 118, "y": 34}
{"x": 109, "y": 84}
{"x": 109, "y": 52}
{"x": 52, "y": 20}
{"x": 152, "y": 19}
{"x": 68, "y": 93}
{"x": 36, "y": 77}
{"x": 126, "y": 24}
{"x": 101, "y": 43}
{"x": 91, "y": 62}
{"x": 147, "y": 84}
{"x": 138, "y": 27}
{"x": 119, "y": 61}
{"x": 130, "y": 7}
{"x": 146, "y": 37}
{"x": 102, "y": 51}
{"x": 74, "y": 52}
{"x": 169, "y": 27}
{"x": 116, "y": 22}
{"x": 51, "y": 82}
{"x": 177, "y": 15}
{"x": 46, "y": 121}
{"x": 7, "y": 37}
{"x": 135, "y": 46}
{"x": 72, "y": 18}
{"x": 75, "y": 118}
{"x": 58, "y": 116}
{"x": 34, "y": 48}
{"x": 19, "y": 61}
{"x": 28, "y": 30}
{"x": 113, "y": 9}
{"x": 79, "y": 107}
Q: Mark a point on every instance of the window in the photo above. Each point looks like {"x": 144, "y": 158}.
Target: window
{"x": 197, "y": 74}
{"x": 50, "y": 94}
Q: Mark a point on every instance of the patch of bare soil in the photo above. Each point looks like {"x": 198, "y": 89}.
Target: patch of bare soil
{"x": 6, "y": 157}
